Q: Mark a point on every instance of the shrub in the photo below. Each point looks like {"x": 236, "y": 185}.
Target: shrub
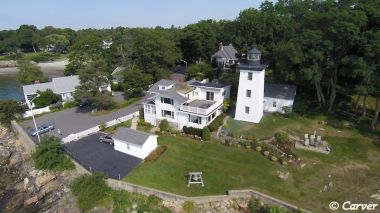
{"x": 89, "y": 190}
{"x": 8, "y": 111}
{"x": 192, "y": 131}
{"x": 164, "y": 125}
{"x": 46, "y": 98}
{"x": 256, "y": 205}
{"x": 206, "y": 135}
{"x": 283, "y": 161}
{"x": 49, "y": 155}
{"x": 273, "y": 158}
{"x": 43, "y": 57}
{"x": 281, "y": 137}
{"x": 141, "y": 113}
{"x": 258, "y": 148}
{"x": 71, "y": 104}
{"x": 188, "y": 206}
{"x": 153, "y": 156}
{"x": 56, "y": 107}
{"x": 266, "y": 153}
{"x": 215, "y": 124}
{"x": 102, "y": 125}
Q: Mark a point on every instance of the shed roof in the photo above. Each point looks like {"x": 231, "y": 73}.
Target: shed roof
{"x": 280, "y": 91}
{"x": 131, "y": 136}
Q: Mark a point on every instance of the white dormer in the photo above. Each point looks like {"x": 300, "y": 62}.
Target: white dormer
{"x": 165, "y": 86}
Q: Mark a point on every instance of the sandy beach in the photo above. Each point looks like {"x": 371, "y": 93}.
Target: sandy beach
{"x": 52, "y": 69}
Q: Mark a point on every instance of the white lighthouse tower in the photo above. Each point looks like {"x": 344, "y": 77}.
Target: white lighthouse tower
{"x": 250, "y": 98}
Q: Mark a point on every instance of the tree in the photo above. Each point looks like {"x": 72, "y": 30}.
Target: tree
{"x": 28, "y": 37}
{"x": 59, "y": 42}
{"x": 135, "y": 81}
{"x": 8, "y": 111}
{"x": 199, "y": 71}
{"x": 92, "y": 77}
{"x": 46, "y": 98}
{"x": 30, "y": 73}
{"x": 86, "y": 49}
{"x": 50, "y": 155}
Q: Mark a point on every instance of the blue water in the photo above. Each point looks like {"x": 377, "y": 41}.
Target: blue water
{"x": 10, "y": 88}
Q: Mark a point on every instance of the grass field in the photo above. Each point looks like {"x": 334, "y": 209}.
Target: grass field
{"x": 353, "y": 168}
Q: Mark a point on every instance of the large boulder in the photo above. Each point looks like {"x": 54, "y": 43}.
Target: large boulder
{"x": 43, "y": 178}
{"x": 5, "y": 153}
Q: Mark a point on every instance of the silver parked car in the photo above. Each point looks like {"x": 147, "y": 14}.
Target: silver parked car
{"x": 106, "y": 139}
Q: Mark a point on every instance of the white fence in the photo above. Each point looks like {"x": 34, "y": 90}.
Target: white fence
{"x": 36, "y": 112}
{"x": 76, "y": 136}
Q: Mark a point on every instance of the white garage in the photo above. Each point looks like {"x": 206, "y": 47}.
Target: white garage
{"x": 133, "y": 142}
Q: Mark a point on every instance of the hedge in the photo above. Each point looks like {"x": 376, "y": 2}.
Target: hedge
{"x": 192, "y": 131}
{"x": 214, "y": 125}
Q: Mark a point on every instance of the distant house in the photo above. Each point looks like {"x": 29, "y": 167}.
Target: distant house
{"x": 63, "y": 86}
{"x": 133, "y": 142}
{"x": 277, "y": 96}
{"x": 226, "y": 56}
{"x": 107, "y": 44}
{"x": 193, "y": 103}
{"x": 117, "y": 76}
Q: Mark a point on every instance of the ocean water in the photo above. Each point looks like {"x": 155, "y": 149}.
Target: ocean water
{"x": 10, "y": 88}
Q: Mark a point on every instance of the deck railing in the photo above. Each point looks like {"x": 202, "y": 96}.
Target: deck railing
{"x": 202, "y": 111}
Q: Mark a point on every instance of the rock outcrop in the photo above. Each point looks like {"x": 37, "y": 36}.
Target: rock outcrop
{"x": 25, "y": 189}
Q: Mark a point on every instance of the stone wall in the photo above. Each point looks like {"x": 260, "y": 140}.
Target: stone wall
{"x": 231, "y": 194}
{"x": 24, "y": 138}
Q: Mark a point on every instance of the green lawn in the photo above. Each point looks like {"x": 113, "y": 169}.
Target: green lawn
{"x": 353, "y": 167}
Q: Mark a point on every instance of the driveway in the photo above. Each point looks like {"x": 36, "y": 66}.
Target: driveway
{"x": 73, "y": 120}
{"x": 101, "y": 157}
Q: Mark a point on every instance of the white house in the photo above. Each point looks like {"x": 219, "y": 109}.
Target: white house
{"x": 278, "y": 96}
{"x": 255, "y": 96}
{"x": 191, "y": 103}
{"x": 63, "y": 86}
{"x": 133, "y": 142}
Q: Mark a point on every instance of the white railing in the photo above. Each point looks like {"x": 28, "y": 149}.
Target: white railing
{"x": 202, "y": 111}
{"x": 76, "y": 136}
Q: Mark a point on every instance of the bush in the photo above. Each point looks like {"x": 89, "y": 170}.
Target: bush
{"x": 188, "y": 206}
{"x": 281, "y": 137}
{"x": 258, "y": 148}
{"x": 56, "y": 107}
{"x": 215, "y": 124}
{"x": 102, "y": 125}
{"x": 273, "y": 158}
{"x": 43, "y": 57}
{"x": 266, "y": 153}
{"x": 8, "y": 111}
{"x": 46, "y": 98}
{"x": 164, "y": 125}
{"x": 206, "y": 135}
{"x": 71, "y": 104}
{"x": 49, "y": 155}
{"x": 141, "y": 113}
{"x": 153, "y": 156}
{"x": 192, "y": 131}
{"x": 283, "y": 161}
{"x": 89, "y": 190}
{"x": 256, "y": 205}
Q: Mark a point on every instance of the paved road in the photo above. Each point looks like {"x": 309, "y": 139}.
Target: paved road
{"x": 101, "y": 157}
{"x": 73, "y": 120}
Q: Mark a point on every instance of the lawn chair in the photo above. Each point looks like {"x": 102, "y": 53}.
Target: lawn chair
{"x": 319, "y": 139}
{"x": 307, "y": 142}
{"x": 312, "y": 140}
{"x": 306, "y": 136}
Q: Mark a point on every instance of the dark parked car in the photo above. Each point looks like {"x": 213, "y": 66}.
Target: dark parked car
{"x": 106, "y": 139}
{"x": 42, "y": 129}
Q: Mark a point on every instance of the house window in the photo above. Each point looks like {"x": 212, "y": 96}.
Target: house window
{"x": 248, "y": 93}
{"x": 166, "y": 100}
{"x": 247, "y": 110}
{"x": 274, "y": 104}
{"x": 195, "y": 119}
{"x": 128, "y": 146}
{"x": 249, "y": 76}
{"x": 210, "y": 96}
{"x": 167, "y": 114}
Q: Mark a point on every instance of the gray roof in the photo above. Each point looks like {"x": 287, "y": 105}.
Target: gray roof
{"x": 131, "y": 136}
{"x": 254, "y": 51}
{"x": 57, "y": 85}
{"x": 280, "y": 91}
{"x": 209, "y": 84}
{"x": 66, "y": 84}
{"x": 117, "y": 70}
{"x": 228, "y": 52}
{"x": 170, "y": 93}
{"x": 165, "y": 82}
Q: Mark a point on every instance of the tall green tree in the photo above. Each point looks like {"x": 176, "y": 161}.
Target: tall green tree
{"x": 93, "y": 76}
{"x": 30, "y": 73}
{"x": 9, "y": 109}
{"x": 135, "y": 81}
{"x": 29, "y": 37}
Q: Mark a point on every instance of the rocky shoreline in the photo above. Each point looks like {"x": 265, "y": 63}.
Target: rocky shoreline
{"x": 25, "y": 189}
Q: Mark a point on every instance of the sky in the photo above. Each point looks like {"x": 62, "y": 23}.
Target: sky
{"x": 80, "y": 14}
